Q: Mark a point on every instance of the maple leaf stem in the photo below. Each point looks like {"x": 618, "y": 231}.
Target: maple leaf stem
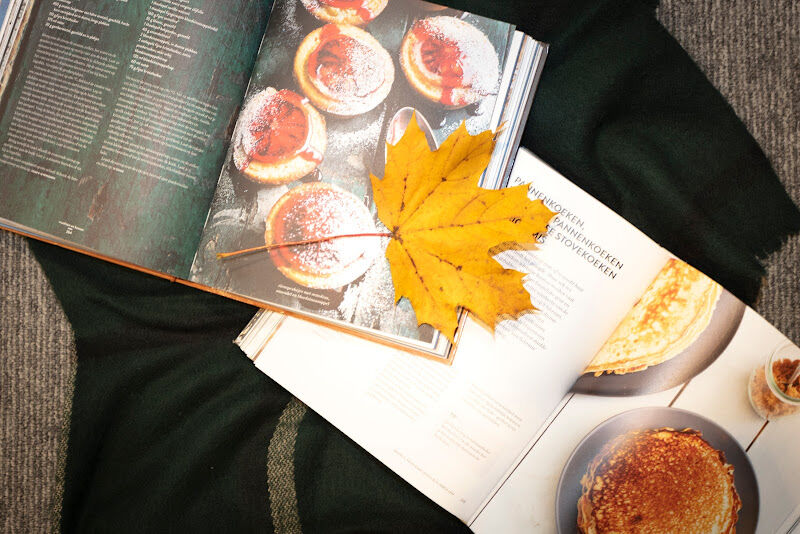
{"x": 263, "y": 248}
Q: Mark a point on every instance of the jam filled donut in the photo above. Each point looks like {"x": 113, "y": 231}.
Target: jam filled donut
{"x": 343, "y": 70}
{"x": 449, "y": 61}
{"x": 315, "y": 210}
{"x": 280, "y": 137}
{"x": 355, "y": 12}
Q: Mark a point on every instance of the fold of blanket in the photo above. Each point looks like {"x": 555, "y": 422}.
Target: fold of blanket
{"x": 624, "y": 113}
{"x": 627, "y": 116}
{"x": 172, "y": 428}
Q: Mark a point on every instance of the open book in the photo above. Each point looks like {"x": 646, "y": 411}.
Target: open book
{"x": 628, "y": 341}
{"x": 159, "y": 133}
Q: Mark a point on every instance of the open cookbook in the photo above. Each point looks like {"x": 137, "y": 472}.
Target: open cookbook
{"x": 161, "y": 133}
{"x": 641, "y": 397}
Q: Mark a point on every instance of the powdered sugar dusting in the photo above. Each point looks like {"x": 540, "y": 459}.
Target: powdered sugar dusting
{"x": 321, "y": 212}
{"x": 243, "y": 140}
{"x": 289, "y": 22}
{"x": 475, "y": 60}
{"x": 344, "y": 67}
{"x": 354, "y": 147}
{"x": 370, "y": 302}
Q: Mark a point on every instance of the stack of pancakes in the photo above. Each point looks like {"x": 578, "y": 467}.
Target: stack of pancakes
{"x": 658, "y": 481}
{"x": 672, "y": 313}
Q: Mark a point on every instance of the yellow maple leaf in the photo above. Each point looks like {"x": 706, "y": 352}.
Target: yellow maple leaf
{"x": 444, "y": 226}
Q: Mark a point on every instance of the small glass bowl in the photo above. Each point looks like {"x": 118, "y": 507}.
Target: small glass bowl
{"x": 766, "y": 397}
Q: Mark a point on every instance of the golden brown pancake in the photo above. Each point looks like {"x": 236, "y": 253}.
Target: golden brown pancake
{"x": 670, "y": 315}
{"x": 658, "y": 481}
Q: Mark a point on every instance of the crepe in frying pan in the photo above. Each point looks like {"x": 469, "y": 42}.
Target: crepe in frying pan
{"x": 672, "y": 313}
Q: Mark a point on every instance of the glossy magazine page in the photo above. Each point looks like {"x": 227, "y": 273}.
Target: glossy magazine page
{"x": 330, "y": 87}
{"x": 114, "y": 129}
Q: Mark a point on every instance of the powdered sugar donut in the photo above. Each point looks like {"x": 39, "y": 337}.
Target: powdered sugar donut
{"x": 279, "y": 138}
{"x": 449, "y": 61}
{"x": 343, "y": 70}
{"x": 355, "y": 12}
{"x": 316, "y": 210}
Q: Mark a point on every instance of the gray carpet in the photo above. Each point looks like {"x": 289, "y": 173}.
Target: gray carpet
{"x": 37, "y": 366}
{"x": 749, "y": 49}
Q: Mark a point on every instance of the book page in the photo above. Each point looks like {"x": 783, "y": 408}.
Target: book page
{"x": 543, "y": 492}
{"x": 114, "y": 129}
{"x": 456, "y": 432}
{"x": 323, "y": 101}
